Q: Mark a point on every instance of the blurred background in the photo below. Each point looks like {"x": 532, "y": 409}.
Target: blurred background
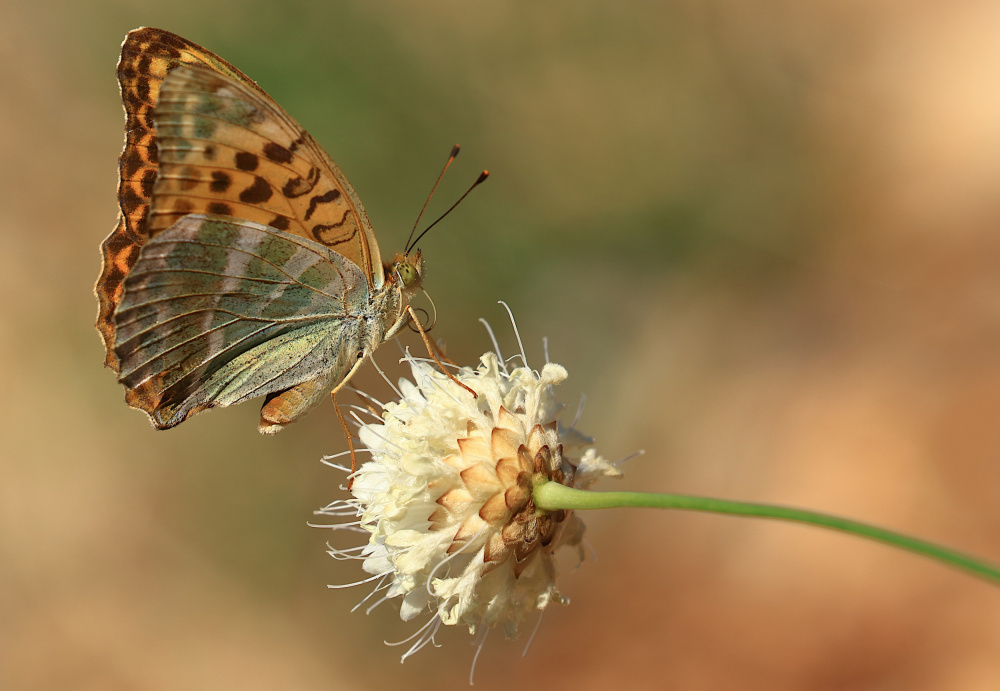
{"x": 764, "y": 238}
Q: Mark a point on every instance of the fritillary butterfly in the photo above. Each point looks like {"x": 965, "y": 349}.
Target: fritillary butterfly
{"x": 243, "y": 263}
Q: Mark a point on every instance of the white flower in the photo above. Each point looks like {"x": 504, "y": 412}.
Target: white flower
{"x": 447, "y": 495}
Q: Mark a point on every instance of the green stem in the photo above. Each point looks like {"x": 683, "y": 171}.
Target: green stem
{"x": 552, "y": 496}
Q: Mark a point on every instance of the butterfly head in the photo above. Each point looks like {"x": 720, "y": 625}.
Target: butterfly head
{"x": 407, "y": 270}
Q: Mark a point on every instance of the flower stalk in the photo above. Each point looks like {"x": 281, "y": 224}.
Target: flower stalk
{"x": 552, "y": 496}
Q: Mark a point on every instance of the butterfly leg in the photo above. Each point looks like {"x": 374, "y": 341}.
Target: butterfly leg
{"x": 350, "y": 440}
{"x": 430, "y": 351}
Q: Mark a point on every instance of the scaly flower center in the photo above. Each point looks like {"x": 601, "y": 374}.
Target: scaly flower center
{"x": 498, "y": 467}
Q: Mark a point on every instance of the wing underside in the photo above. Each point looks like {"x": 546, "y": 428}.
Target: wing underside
{"x": 218, "y": 310}
{"x": 201, "y": 137}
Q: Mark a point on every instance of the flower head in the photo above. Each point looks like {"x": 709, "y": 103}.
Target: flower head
{"x": 447, "y": 496}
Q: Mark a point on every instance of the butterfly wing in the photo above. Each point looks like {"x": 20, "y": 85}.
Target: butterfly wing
{"x": 219, "y": 310}
{"x": 226, "y": 149}
{"x": 202, "y": 137}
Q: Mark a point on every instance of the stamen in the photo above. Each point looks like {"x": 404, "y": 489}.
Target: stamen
{"x": 538, "y": 625}
{"x": 433, "y": 573}
{"x": 381, "y": 586}
{"x": 368, "y": 397}
{"x": 385, "y": 378}
{"x": 579, "y": 410}
{"x": 513, "y": 324}
{"x": 376, "y": 604}
{"x": 425, "y": 639}
{"x": 334, "y": 526}
{"x": 346, "y": 554}
{"x": 414, "y": 634}
{"x": 475, "y": 658}
{"x": 496, "y": 346}
{"x": 634, "y": 454}
{"x": 351, "y": 585}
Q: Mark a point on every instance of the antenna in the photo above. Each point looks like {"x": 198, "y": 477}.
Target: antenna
{"x": 454, "y": 152}
{"x": 482, "y": 177}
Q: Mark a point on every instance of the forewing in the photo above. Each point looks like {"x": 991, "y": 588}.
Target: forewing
{"x": 218, "y": 310}
{"x": 147, "y": 55}
{"x": 228, "y": 149}
{"x": 202, "y": 137}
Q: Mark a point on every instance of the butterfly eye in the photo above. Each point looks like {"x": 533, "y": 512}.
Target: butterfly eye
{"x": 407, "y": 273}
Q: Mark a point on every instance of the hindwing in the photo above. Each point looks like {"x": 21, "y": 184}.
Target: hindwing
{"x": 219, "y": 310}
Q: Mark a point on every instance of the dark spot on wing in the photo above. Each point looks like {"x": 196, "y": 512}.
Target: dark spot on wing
{"x": 142, "y": 89}
{"x": 131, "y": 162}
{"x": 323, "y": 233}
{"x": 246, "y": 161}
{"x": 296, "y": 187}
{"x": 130, "y": 100}
{"x": 277, "y": 153}
{"x": 220, "y": 181}
{"x": 189, "y": 178}
{"x": 330, "y": 196}
{"x": 168, "y": 40}
{"x": 129, "y": 200}
{"x": 294, "y": 146}
{"x": 280, "y": 222}
{"x": 148, "y": 180}
{"x": 257, "y": 193}
{"x": 220, "y": 208}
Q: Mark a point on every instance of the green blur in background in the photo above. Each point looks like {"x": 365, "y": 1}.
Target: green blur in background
{"x": 764, "y": 238}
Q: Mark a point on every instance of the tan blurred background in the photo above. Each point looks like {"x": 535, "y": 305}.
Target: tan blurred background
{"x": 763, "y": 237}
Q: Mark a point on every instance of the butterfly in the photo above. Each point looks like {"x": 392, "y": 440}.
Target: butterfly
{"x": 243, "y": 263}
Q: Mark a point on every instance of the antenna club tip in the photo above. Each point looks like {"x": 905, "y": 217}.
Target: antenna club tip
{"x": 482, "y": 176}
{"x": 455, "y": 149}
